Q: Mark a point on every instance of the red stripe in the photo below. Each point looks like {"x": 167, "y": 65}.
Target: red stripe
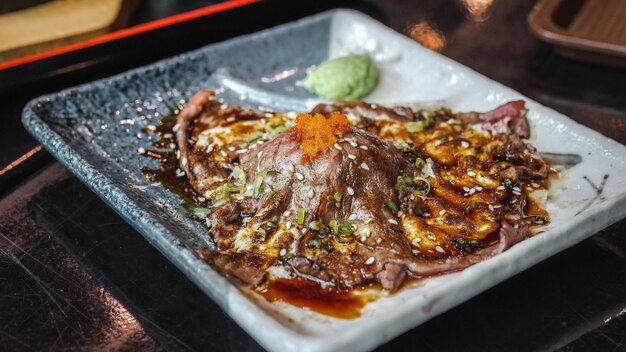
{"x": 123, "y": 33}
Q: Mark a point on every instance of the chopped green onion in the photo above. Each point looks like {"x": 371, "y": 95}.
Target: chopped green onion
{"x": 404, "y": 147}
{"x": 314, "y": 243}
{"x": 242, "y": 176}
{"x": 232, "y": 188}
{"x": 392, "y": 206}
{"x": 425, "y": 188}
{"x": 300, "y": 216}
{"x": 201, "y": 213}
{"x": 419, "y": 163}
{"x": 413, "y": 127}
{"x": 334, "y": 226}
{"x": 316, "y": 225}
{"x": 271, "y": 224}
{"x": 288, "y": 256}
{"x": 258, "y": 186}
{"x": 280, "y": 128}
{"x": 506, "y": 182}
{"x": 272, "y": 172}
{"x": 336, "y": 197}
{"x": 346, "y": 229}
{"x": 260, "y": 234}
{"x": 329, "y": 246}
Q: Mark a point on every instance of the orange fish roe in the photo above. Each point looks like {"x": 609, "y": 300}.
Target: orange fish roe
{"x": 316, "y": 134}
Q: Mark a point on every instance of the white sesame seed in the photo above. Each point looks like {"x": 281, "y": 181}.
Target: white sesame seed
{"x": 292, "y": 169}
{"x": 299, "y": 176}
{"x": 240, "y": 197}
{"x": 287, "y": 213}
{"x": 351, "y": 156}
{"x": 141, "y": 150}
{"x": 426, "y": 215}
{"x": 311, "y": 194}
{"x": 352, "y": 217}
{"x": 183, "y": 162}
{"x": 378, "y": 240}
{"x": 536, "y": 185}
{"x": 231, "y": 148}
{"x": 392, "y": 221}
{"x": 151, "y": 127}
{"x": 175, "y": 128}
{"x": 416, "y": 242}
{"x": 370, "y": 261}
{"x": 491, "y": 207}
{"x": 201, "y": 199}
{"x": 439, "y": 249}
{"x": 365, "y": 166}
{"x": 353, "y": 144}
{"x": 400, "y": 213}
{"x": 223, "y": 153}
{"x": 442, "y": 212}
{"x": 364, "y": 147}
{"x": 337, "y": 146}
{"x": 517, "y": 193}
{"x": 431, "y": 237}
{"x": 259, "y": 154}
{"x": 178, "y": 154}
{"x": 283, "y": 252}
{"x": 501, "y": 188}
{"x": 472, "y": 191}
{"x": 516, "y": 189}
{"x": 172, "y": 146}
{"x": 230, "y": 119}
{"x": 241, "y": 151}
{"x": 478, "y": 188}
{"x": 288, "y": 225}
{"x": 363, "y": 238}
{"x": 464, "y": 144}
{"x": 411, "y": 196}
{"x": 350, "y": 191}
{"x": 471, "y": 173}
{"x": 305, "y": 230}
{"x": 497, "y": 206}
{"x": 466, "y": 189}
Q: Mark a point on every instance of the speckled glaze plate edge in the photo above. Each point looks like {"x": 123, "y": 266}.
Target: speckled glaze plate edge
{"x": 582, "y": 205}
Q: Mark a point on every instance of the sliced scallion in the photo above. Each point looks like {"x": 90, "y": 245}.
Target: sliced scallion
{"x": 300, "y": 216}
{"x": 258, "y": 186}
{"x": 392, "y": 206}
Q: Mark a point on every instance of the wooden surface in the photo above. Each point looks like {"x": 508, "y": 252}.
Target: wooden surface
{"x": 55, "y": 23}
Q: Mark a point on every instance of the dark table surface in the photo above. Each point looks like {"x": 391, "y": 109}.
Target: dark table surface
{"x": 75, "y": 276}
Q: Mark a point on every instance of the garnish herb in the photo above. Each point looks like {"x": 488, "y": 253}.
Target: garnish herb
{"x": 413, "y": 127}
{"x": 300, "y": 216}
{"x": 258, "y": 186}
{"x": 314, "y": 243}
{"x": 346, "y": 229}
{"x": 506, "y": 182}
{"x": 271, "y": 224}
{"x": 419, "y": 163}
{"x": 392, "y": 206}
{"x": 201, "y": 213}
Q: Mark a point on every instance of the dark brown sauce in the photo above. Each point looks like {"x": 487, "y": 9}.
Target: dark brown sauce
{"x": 309, "y": 295}
{"x": 165, "y": 174}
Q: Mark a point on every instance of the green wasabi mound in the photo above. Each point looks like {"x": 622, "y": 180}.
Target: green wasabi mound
{"x": 345, "y": 78}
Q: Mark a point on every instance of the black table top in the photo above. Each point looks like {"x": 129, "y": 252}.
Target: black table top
{"x": 74, "y": 275}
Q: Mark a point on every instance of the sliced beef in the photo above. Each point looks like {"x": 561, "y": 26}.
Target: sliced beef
{"x": 365, "y": 172}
